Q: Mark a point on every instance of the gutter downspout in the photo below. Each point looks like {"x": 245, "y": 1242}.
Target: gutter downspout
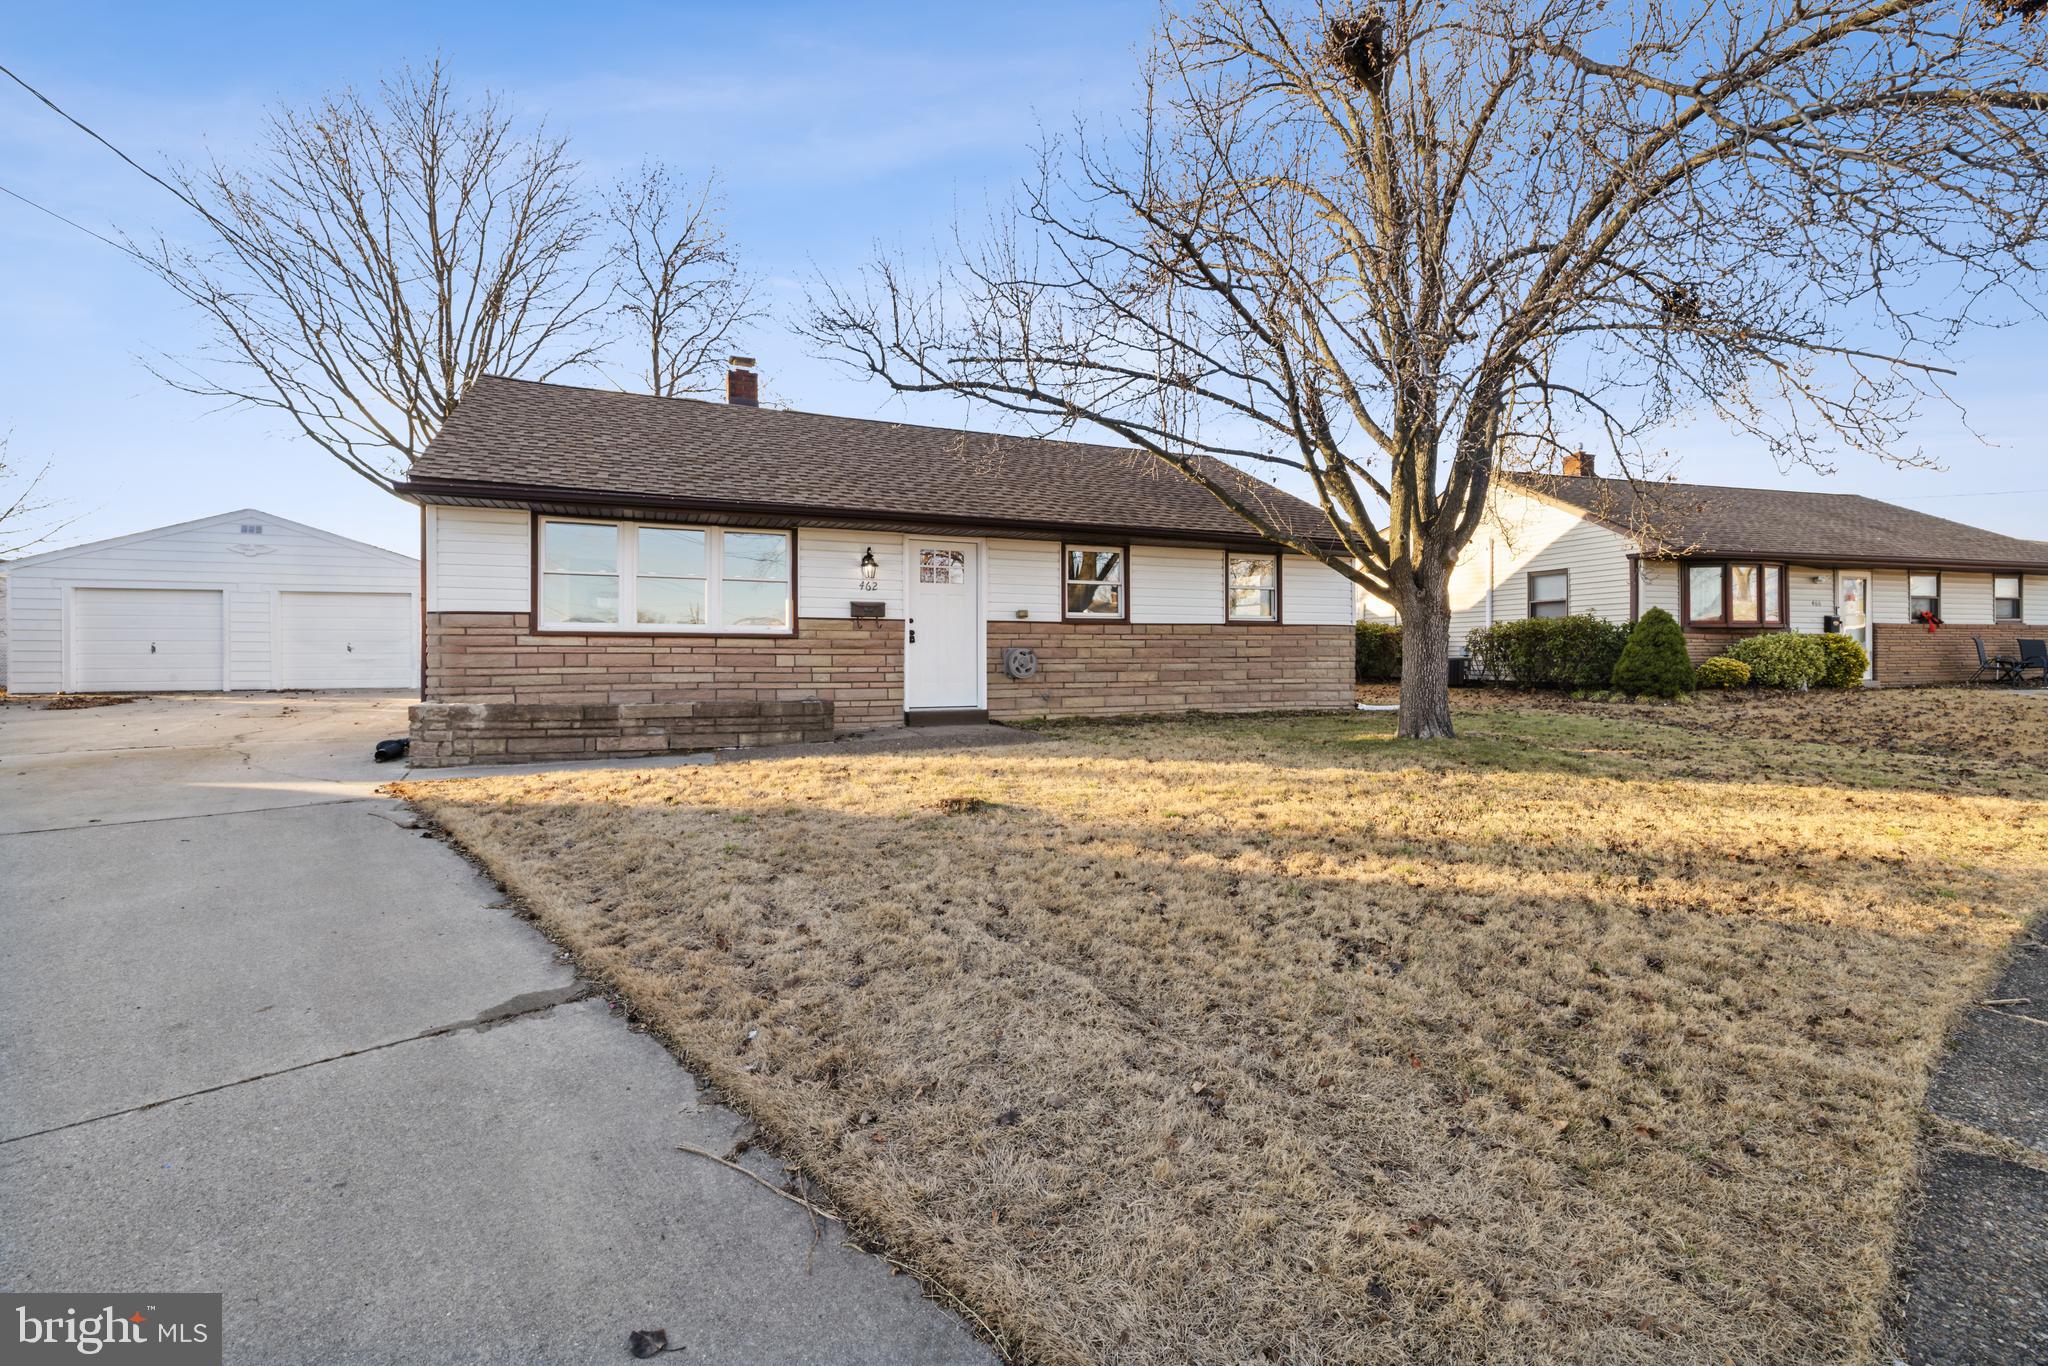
{"x": 1489, "y": 582}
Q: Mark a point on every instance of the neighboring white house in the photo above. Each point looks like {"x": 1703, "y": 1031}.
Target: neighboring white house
{"x": 1729, "y": 562}
{"x": 242, "y": 601}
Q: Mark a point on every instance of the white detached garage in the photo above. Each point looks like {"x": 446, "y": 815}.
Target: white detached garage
{"x": 245, "y": 601}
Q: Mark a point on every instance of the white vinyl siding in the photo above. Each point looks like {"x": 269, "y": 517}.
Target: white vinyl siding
{"x": 1966, "y": 598}
{"x": 1176, "y": 584}
{"x": 1523, "y": 535}
{"x": 479, "y": 560}
{"x": 1659, "y": 586}
{"x": 1810, "y": 594}
{"x": 1024, "y": 577}
{"x": 1313, "y": 594}
{"x": 828, "y": 571}
{"x": 1888, "y": 596}
{"x": 246, "y": 573}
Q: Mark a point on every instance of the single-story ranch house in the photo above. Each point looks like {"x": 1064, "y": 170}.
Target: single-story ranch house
{"x": 621, "y": 574}
{"x": 1730, "y": 562}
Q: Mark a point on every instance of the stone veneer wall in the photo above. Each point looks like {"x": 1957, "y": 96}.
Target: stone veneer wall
{"x": 1907, "y": 655}
{"x": 445, "y": 733}
{"x": 1101, "y": 670}
{"x": 857, "y": 666}
{"x": 496, "y": 691}
{"x": 1701, "y": 645}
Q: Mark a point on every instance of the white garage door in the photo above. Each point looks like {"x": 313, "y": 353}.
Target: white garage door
{"x": 347, "y": 640}
{"x": 145, "y": 640}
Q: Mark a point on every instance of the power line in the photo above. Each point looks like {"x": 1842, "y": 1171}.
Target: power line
{"x": 67, "y": 222}
{"x": 58, "y": 110}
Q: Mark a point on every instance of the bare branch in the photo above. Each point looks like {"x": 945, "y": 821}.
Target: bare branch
{"x": 1395, "y": 251}
{"x": 377, "y": 258}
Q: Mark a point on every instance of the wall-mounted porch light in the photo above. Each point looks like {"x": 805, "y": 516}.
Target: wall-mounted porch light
{"x": 868, "y": 567}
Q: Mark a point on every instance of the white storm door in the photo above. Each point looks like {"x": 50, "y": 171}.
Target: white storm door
{"x": 346, "y": 640}
{"x": 146, "y": 640}
{"x": 1852, "y": 607}
{"x": 941, "y": 629}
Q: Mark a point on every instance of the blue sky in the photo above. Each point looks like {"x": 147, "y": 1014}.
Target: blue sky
{"x": 835, "y": 127}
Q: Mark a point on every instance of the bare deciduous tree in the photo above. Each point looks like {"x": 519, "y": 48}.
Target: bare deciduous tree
{"x": 23, "y": 523}
{"x": 1394, "y": 252}
{"x": 381, "y": 255}
{"x": 677, "y": 279}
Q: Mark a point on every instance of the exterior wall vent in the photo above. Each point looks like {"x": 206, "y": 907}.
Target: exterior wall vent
{"x": 252, "y": 528}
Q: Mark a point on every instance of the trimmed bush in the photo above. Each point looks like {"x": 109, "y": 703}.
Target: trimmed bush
{"x": 1723, "y": 672}
{"x": 1653, "y": 663}
{"x": 1378, "y": 655}
{"x": 1846, "y": 661}
{"x": 1782, "y": 659}
{"x": 1548, "y": 652}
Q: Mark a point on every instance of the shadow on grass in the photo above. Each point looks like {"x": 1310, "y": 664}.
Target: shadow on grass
{"x": 1538, "y": 739}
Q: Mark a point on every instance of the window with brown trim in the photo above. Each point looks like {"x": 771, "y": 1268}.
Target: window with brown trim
{"x": 658, "y": 578}
{"x": 2007, "y": 598}
{"x": 1550, "y": 593}
{"x": 1738, "y": 593}
{"x": 1923, "y": 595}
{"x": 1094, "y": 582}
{"x": 1251, "y": 586}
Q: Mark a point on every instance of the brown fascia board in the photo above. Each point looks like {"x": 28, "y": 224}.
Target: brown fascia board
{"x": 458, "y": 492}
{"x": 1856, "y": 561}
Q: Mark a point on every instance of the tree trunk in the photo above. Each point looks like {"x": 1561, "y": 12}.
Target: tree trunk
{"x": 1426, "y": 662}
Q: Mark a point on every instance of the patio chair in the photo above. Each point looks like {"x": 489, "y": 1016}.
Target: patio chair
{"x": 2002, "y": 668}
{"x": 2034, "y": 658}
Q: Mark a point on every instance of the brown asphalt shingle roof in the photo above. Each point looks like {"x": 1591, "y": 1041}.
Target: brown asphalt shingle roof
{"x": 517, "y": 434}
{"x": 1784, "y": 524}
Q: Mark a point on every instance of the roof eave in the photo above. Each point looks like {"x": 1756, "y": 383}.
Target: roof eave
{"x": 1832, "y": 560}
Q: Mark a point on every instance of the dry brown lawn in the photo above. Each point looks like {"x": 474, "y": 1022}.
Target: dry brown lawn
{"x": 1600, "y": 1033}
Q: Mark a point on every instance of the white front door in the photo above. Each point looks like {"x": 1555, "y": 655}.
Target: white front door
{"x": 146, "y": 639}
{"x": 346, "y": 640}
{"x": 941, "y": 635}
{"x": 1852, "y": 607}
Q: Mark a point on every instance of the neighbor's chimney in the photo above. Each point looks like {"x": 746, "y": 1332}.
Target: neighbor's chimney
{"x": 742, "y": 384}
{"x": 1579, "y": 463}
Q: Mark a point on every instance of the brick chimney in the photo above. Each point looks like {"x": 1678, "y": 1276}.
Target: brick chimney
{"x": 742, "y": 384}
{"x": 1579, "y": 463}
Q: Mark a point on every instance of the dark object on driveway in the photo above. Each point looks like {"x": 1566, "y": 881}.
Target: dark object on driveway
{"x": 387, "y": 750}
{"x": 648, "y": 1342}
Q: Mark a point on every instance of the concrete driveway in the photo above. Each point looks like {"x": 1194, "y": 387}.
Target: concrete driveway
{"x": 259, "y": 1035}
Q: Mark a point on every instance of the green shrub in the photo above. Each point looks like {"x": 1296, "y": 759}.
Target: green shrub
{"x": 1723, "y": 672}
{"x": 1782, "y": 659}
{"x": 1378, "y": 652}
{"x": 1846, "y": 661}
{"x": 1548, "y": 652}
{"x": 1653, "y": 663}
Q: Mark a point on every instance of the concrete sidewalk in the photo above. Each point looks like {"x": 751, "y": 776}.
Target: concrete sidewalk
{"x": 261, "y": 1035}
{"x": 1976, "y": 1264}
